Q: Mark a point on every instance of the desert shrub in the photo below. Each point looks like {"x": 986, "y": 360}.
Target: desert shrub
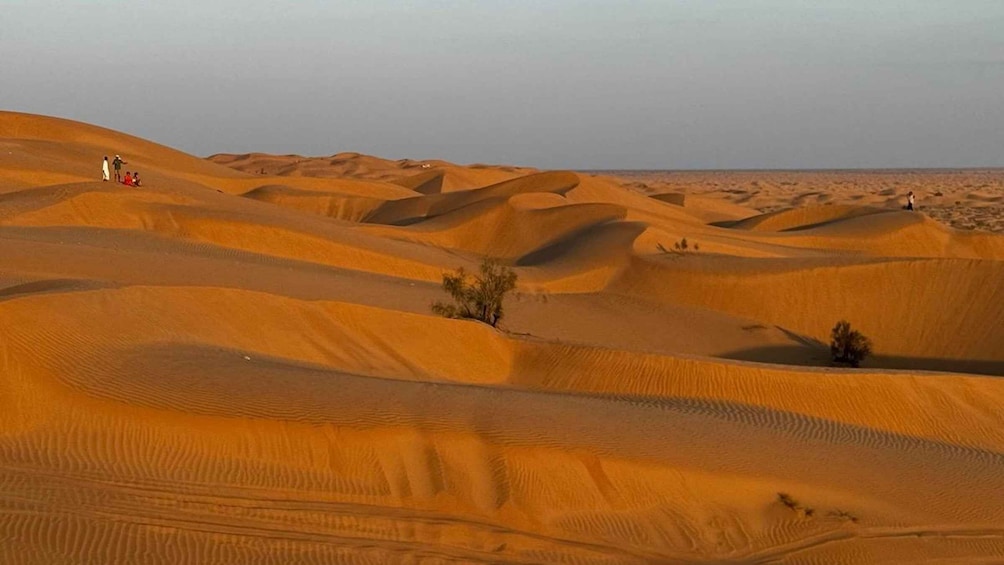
{"x": 843, "y": 516}
{"x": 849, "y": 346}
{"x": 477, "y": 297}
{"x": 786, "y": 499}
{"x": 793, "y": 505}
{"x": 680, "y": 247}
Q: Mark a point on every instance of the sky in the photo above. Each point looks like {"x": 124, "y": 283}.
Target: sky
{"x": 587, "y": 84}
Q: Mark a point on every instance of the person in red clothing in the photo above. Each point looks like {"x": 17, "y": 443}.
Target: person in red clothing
{"x": 128, "y": 179}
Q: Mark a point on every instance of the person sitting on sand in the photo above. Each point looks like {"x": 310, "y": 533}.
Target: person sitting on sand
{"x": 135, "y": 179}
{"x": 909, "y": 201}
{"x": 128, "y": 179}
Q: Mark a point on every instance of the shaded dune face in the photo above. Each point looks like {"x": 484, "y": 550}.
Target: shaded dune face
{"x": 238, "y": 363}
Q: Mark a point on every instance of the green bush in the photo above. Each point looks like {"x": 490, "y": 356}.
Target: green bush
{"x": 477, "y": 297}
{"x": 849, "y": 346}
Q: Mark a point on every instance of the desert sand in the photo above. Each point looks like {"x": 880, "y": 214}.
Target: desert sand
{"x": 968, "y": 199}
{"x": 237, "y": 363}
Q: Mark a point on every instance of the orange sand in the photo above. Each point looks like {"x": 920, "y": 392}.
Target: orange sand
{"x": 237, "y": 363}
{"x": 963, "y": 198}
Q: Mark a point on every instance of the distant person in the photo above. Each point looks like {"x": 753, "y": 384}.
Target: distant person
{"x": 117, "y": 164}
{"x": 104, "y": 169}
{"x": 135, "y": 179}
{"x": 909, "y": 201}
{"x": 128, "y": 179}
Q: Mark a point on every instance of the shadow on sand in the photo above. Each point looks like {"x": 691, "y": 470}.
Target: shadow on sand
{"x": 809, "y": 354}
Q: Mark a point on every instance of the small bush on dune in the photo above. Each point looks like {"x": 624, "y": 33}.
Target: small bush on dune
{"x": 786, "y": 499}
{"x": 793, "y": 505}
{"x": 477, "y": 297}
{"x": 849, "y": 346}
{"x": 680, "y": 247}
{"x": 843, "y": 516}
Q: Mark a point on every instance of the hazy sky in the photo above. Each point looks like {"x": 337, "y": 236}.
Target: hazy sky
{"x": 554, "y": 84}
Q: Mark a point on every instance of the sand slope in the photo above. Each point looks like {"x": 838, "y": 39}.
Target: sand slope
{"x": 237, "y": 363}
{"x": 969, "y": 199}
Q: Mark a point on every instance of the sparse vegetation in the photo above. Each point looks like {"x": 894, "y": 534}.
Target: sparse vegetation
{"x": 793, "y": 505}
{"x": 849, "y": 346}
{"x": 680, "y": 247}
{"x": 807, "y": 512}
{"x": 477, "y": 297}
{"x": 843, "y": 516}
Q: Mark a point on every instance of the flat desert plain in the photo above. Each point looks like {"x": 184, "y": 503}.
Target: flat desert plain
{"x": 237, "y": 363}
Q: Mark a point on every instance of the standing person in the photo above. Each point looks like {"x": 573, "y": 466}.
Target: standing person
{"x": 117, "y": 163}
{"x": 104, "y": 169}
{"x": 909, "y": 201}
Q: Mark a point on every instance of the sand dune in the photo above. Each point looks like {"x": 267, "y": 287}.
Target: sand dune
{"x": 405, "y": 211}
{"x": 708, "y": 210}
{"x": 341, "y": 206}
{"x": 238, "y": 363}
{"x": 872, "y": 231}
{"x": 444, "y": 176}
{"x": 430, "y": 182}
{"x": 970, "y": 199}
{"x": 508, "y": 228}
{"x": 882, "y": 297}
{"x": 801, "y": 218}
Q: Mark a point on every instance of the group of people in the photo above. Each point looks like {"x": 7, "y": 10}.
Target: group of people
{"x": 130, "y": 179}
